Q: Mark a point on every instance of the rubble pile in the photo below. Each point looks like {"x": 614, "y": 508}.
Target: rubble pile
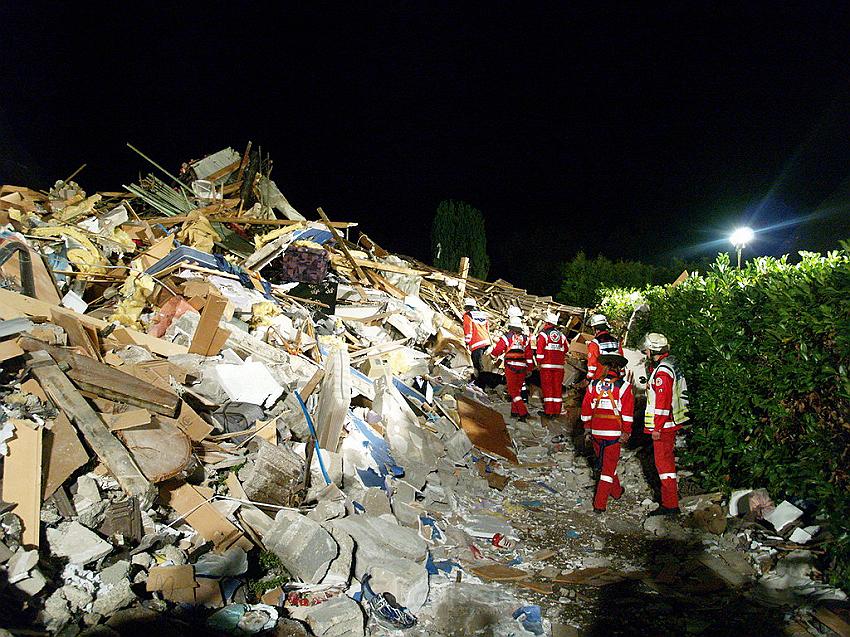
{"x": 218, "y": 411}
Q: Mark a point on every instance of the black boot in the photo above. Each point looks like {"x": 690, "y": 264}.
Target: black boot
{"x": 665, "y": 511}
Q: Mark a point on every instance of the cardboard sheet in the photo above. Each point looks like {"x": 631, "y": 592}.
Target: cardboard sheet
{"x": 22, "y": 478}
{"x": 485, "y": 427}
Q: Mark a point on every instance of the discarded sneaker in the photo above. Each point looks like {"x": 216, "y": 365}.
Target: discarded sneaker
{"x": 665, "y": 511}
{"x": 385, "y": 609}
{"x": 502, "y": 542}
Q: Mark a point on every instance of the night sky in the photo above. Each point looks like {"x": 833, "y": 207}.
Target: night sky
{"x": 640, "y": 133}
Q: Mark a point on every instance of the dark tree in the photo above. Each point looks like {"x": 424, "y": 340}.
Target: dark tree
{"x": 458, "y": 231}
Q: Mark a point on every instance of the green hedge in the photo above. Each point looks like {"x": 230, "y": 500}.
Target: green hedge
{"x": 766, "y": 351}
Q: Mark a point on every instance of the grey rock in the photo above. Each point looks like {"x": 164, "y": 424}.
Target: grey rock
{"x": 20, "y": 564}
{"x": 113, "y": 597}
{"x": 338, "y": 617}
{"x": 305, "y": 549}
{"x": 5, "y": 553}
{"x": 376, "y": 502}
{"x": 77, "y": 598}
{"x": 377, "y": 538}
{"x": 115, "y": 573}
{"x": 77, "y": 543}
{"x": 405, "y": 579}
{"x": 33, "y": 584}
{"x": 55, "y": 615}
{"x": 340, "y": 569}
{"x": 233, "y": 562}
{"x": 327, "y": 510}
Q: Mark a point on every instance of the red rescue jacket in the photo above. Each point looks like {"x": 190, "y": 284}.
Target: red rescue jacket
{"x": 551, "y": 348}
{"x": 476, "y": 330}
{"x": 602, "y": 343}
{"x": 608, "y": 408}
{"x": 517, "y": 350}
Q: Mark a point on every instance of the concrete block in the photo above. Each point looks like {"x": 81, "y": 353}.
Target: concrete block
{"x": 338, "y": 617}
{"x": 112, "y": 597}
{"x": 77, "y": 543}
{"x": 376, "y": 502}
{"x": 305, "y": 549}
{"x": 339, "y": 572}
{"x": 20, "y": 564}
{"x": 405, "y": 579}
{"x": 458, "y": 445}
{"x": 379, "y": 538}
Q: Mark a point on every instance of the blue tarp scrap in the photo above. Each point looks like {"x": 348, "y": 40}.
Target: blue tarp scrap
{"x": 312, "y": 234}
{"x": 212, "y": 261}
{"x": 435, "y": 566}
{"x": 378, "y": 449}
{"x": 436, "y": 534}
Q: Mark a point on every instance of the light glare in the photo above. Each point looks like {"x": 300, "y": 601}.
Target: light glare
{"x": 741, "y": 236}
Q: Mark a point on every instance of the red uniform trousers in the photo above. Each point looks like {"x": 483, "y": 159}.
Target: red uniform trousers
{"x": 515, "y": 381}
{"x": 609, "y": 483}
{"x": 665, "y": 463}
{"x": 551, "y": 382}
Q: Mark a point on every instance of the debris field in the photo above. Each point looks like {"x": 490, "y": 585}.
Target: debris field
{"x": 220, "y": 417}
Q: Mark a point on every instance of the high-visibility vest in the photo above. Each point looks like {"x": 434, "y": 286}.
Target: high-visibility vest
{"x": 668, "y": 374}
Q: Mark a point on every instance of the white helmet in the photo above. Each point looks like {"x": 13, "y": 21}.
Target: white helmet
{"x": 655, "y": 342}
{"x": 551, "y": 317}
{"x": 598, "y": 319}
{"x": 469, "y": 302}
{"x": 513, "y": 310}
{"x": 515, "y": 322}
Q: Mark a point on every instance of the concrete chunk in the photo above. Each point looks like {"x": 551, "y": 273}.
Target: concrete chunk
{"x": 77, "y": 543}
{"x": 340, "y": 569}
{"x": 305, "y": 549}
{"x": 338, "y": 617}
{"x": 378, "y": 538}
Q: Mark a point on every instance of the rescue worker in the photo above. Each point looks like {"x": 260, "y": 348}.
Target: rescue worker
{"x": 516, "y": 348}
{"x": 476, "y": 332}
{"x": 607, "y": 412}
{"x": 666, "y": 411}
{"x": 516, "y": 312}
{"x": 602, "y": 343}
{"x": 551, "y": 354}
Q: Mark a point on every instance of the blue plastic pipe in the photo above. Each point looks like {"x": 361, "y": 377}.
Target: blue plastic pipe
{"x": 315, "y": 437}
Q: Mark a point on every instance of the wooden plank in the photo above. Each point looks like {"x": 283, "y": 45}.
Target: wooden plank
{"x": 62, "y": 452}
{"x": 112, "y": 453}
{"x": 204, "y": 339}
{"x": 464, "y": 275}
{"x": 341, "y": 243}
{"x": 22, "y": 478}
{"x": 311, "y": 385}
{"x": 62, "y": 455}
{"x": 192, "y": 503}
{"x": 833, "y": 621}
{"x": 485, "y": 427}
{"x": 13, "y": 305}
{"x": 75, "y": 330}
{"x": 107, "y": 382}
{"x": 386, "y": 267}
{"x": 189, "y": 421}
{"x": 9, "y": 350}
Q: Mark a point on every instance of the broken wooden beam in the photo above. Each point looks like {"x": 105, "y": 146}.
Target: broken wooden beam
{"x": 107, "y": 382}
{"x": 111, "y": 452}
